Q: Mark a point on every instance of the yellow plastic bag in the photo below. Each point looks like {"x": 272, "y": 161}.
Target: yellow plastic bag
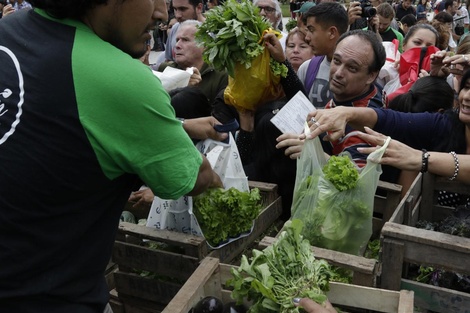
{"x": 253, "y": 86}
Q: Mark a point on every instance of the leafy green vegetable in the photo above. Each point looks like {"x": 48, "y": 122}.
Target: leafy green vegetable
{"x": 231, "y": 34}
{"x": 341, "y": 172}
{"x": 226, "y": 213}
{"x": 334, "y": 220}
{"x": 283, "y": 271}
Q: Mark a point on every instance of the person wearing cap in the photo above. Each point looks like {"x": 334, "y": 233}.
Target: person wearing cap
{"x": 300, "y": 12}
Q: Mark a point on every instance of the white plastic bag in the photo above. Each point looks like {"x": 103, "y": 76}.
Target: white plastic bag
{"x": 177, "y": 215}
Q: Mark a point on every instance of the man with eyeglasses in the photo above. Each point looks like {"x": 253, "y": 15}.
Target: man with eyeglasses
{"x": 271, "y": 10}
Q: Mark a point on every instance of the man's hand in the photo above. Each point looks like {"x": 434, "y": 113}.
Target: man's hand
{"x": 354, "y": 12}
{"x": 292, "y": 143}
{"x": 142, "y": 199}
{"x": 196, "y": 78}
{"x": 203, "y": 128}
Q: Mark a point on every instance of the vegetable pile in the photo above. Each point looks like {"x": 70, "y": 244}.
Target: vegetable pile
{"x": 283, "y": 271}
{"x": 226, "y": 213}
{"x": 336, "y": 216}
{"x": 232, "y": 34}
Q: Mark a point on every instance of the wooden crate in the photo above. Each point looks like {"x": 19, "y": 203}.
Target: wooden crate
{"x": 210, "y": 277}
{"x": 402, "y": 243}
{"x": 175, "y": 264}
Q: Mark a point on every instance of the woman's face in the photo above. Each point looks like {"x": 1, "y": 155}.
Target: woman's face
{"x": 464, "y": 103}
{"x": 421, "y": 38}
{"x": 298, "y": 51}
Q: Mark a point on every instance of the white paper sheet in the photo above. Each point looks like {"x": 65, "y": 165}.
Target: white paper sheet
{"x": 172, "y": 78}
{"x": 291, "y": 118}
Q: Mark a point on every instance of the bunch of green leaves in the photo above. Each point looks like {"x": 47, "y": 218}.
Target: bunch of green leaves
{"x": 373, "y": 249}
{"x": 226, "y": 213}
{"x": 283, "y": 271}
{"x": 291, "y": 24}
{"x": 231, "y": 34}
{"x": 341, "y": 172}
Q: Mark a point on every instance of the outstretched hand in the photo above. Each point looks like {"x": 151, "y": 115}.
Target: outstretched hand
{"x": 311, "y": 306}
{"x": 203, "y": 127}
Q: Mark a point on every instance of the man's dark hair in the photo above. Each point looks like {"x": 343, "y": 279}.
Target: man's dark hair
{"x": 377, "y": 47}
{"x": 409, "y": 20}
{"x": 66, "y": 8}
{"x": 194, "y": 3}
{"x": 448, "y": 4}
{"x": 329, "y": 14}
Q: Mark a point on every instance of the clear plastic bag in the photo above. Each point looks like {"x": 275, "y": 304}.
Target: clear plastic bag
{"x": 335, "y": 220}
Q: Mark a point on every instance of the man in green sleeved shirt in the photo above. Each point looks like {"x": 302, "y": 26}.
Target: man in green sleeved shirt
{"x": 81, "y": 121}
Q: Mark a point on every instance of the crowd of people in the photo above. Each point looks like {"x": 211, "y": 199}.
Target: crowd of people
{"x": 84, "y": 123}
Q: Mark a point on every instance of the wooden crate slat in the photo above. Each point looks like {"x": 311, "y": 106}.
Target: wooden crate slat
{"x": 193, "y": 245}
{"x": 437, "y": 298}
{"x": 144, "y": 288}
{"x": 426, "y": 237}
{"x": 160, "y": 262}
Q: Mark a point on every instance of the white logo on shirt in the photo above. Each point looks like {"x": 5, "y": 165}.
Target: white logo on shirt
{"x": 11, "y": 100}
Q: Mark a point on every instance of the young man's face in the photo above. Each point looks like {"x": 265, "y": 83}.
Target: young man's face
{"x": 349, "y": 70}
{"x": 406, "y": 4}
{"x": 318, "y": 37}
{"x": 184, "y": 10}
{"x": 384, "y": 23}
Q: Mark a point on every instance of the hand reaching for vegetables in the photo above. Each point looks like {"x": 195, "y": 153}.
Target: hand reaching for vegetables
{"x": 311, "y": 306}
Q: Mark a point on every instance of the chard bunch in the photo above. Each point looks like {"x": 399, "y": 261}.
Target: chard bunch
{"x": 232, "y": 34}
{"x": 283, "y": 271}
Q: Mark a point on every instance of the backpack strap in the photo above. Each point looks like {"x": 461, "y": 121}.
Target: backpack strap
{"x": 312, "y": 71}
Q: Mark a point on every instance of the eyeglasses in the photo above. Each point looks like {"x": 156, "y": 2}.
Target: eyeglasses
{"x": 268, "y": 10}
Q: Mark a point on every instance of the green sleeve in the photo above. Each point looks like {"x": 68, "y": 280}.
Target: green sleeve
{"x": 129, "y": 120}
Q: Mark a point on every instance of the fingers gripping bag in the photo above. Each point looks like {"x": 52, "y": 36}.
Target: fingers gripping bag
{"x": 335, "y": 199}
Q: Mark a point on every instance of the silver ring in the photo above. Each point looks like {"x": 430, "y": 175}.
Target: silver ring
{"x": 465, "y": 58}
{"x": 314, "y": 121}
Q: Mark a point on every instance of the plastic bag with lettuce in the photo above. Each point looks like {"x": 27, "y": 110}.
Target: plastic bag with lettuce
{"x": 335, "y": 199}
{"x": 232, "y": 36}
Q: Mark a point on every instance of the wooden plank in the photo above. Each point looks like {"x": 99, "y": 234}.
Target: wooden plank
{"x": 144, "y": 288}
{"x": 392, "y": 264}
{"x": 159, "y": 262}
{"x": 379, "y": 300}
{"x": 266, "y": 218}
{"x": 438, "y": 299}
{"x": 426, "y": 237}
{"x": 192, "y": 245}
{"x": 415, "y": 192}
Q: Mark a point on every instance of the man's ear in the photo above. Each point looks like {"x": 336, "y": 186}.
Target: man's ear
{"x": 372, "y": 77}
{"x": 333, "y": 32}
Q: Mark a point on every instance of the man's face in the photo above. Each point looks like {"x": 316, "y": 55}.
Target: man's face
{"x": 406, "y": 4}
{"x": 384, "y": 23}
{"x": 318, "y": 37}
{"x": 455, "y": 7}
{"x": 187, "y": 53}
{"x": 268, "y": 10}
{"x": 125, "y": 25}
{"x": 184, "y": 10}
{"x": 349, "y": 73}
